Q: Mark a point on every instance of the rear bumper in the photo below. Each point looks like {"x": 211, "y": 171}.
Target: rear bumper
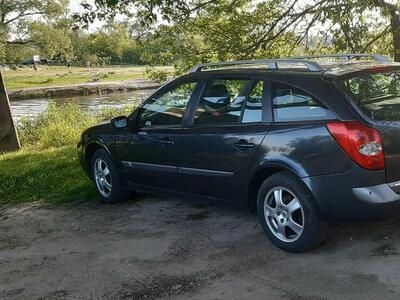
{"x": 356, "y": 195}
{"x": 377, "y": 194}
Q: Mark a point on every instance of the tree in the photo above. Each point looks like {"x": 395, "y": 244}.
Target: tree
{"x": 348, "y": 25}
{"x": 15, "y": 15}
{"x": 52, "y": 40}
{"x": 228, "y": 31}
{"x": 354, "y": 25}
{"x": 113, "y": 43}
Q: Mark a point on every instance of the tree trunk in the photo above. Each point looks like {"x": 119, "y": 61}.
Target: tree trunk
{"x": 8, "y": 134}
{"x": 395, "y": 28}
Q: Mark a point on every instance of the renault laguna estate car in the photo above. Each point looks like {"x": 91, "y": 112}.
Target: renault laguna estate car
{"x": 303, "y": 141}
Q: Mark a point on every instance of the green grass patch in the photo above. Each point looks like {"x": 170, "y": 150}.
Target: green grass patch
{"x": 59, "y": 76}
{"x": 53, "y": 176}
{"x": 47, "y": 168}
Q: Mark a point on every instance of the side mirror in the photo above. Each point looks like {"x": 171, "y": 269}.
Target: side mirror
{"x": 119, "y": 122}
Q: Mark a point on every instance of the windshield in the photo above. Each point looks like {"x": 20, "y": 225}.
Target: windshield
{"x": 376, "y": 94}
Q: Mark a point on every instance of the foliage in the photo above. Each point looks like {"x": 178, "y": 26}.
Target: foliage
{"x": 16, "y": 54}
{"x": 53, "y": 40}
{"x": 57, "y": 126}
{"x": 114, "y": 43}
{"x": 61, "y": 125}
{"x": 155, "y": 75}
{"x": 186, "y": 32}
{"x": 17, "y": 15}
{"x": 214, "y": 34}
{"x": 310, "y": 26}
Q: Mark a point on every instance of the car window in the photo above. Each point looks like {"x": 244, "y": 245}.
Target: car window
{"x": 221, "y": 101}
{"x": 168, "y": 108}
{"x": 293, "y": 104}
{"x": 253, "y": 108}
{"x": 377, "y": 94}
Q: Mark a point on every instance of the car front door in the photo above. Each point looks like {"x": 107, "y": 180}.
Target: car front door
{"x": 151, "y": 157}
{"x": 226, "y": 129}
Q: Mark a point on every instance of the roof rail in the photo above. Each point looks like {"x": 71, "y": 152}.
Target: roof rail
{"x": 349, "y": 56}
{"x": 269, "y": 63}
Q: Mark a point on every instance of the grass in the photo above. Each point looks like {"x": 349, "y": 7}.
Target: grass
{"x": 47, "y": 168}
{"x": 26, "y": 77}
{"x": 53, "y": 176}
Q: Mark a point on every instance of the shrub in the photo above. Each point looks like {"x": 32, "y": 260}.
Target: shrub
{"x": 155, "y": 75}
{"x": 61, "y": 125}
{"x": 57, "y": 126}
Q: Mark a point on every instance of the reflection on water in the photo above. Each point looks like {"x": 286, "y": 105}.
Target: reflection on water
{"x": 33, "y": 107}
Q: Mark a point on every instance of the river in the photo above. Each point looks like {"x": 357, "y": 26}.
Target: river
{"x": 33, "y": 107}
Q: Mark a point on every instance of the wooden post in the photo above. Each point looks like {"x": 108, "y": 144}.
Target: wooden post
{"x": 8, "y": 133}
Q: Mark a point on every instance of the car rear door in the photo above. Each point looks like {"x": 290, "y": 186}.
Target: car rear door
{"x": 226, "y": 128}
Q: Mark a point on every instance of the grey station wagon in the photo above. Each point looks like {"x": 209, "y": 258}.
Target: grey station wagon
{"x": 303, "y": 141}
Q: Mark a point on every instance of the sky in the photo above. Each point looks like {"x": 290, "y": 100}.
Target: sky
{"x": 75, "y": 7}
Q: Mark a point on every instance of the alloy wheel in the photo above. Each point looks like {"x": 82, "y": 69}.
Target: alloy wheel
{"x": 284, "y": 214}
{"x": 102, "y": 177}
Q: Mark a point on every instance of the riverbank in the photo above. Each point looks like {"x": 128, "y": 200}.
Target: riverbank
{"x": 82, "y": 89}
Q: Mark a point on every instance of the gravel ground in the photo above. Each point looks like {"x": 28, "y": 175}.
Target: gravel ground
{"x": 155, "y": 248}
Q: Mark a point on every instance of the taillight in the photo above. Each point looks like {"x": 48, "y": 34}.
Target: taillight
{"x": 362, "y": 143}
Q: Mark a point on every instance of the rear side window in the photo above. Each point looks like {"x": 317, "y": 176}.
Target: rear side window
{"x": 376, "y": 94}
{"x": 221, "y": 101}
{"x": 293, "y": 104}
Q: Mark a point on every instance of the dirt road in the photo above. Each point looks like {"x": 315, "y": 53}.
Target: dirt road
{"x": 165, "y": 248}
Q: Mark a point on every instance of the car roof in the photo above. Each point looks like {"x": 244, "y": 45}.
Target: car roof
{"x": 239, "y": 72}
{"x": 334, "y": 69}
{"x": 329, "y": 69}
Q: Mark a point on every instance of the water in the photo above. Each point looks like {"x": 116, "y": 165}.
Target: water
{"x": 33, "y": 107}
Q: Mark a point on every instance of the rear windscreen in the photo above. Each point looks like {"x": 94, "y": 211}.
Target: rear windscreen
{"x": 376, "y": 94}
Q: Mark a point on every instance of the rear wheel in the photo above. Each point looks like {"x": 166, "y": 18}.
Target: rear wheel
{"x": 287, "y": 213}
{"x": 106, "y": 177}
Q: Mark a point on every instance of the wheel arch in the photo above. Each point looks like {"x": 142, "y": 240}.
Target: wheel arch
{"x": 260, "y": 175}
{"x": 90, "y": 149}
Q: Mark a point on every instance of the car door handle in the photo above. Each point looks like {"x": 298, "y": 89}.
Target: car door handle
{"x": 166, "y": 141}
{"x": 243, "y": 145}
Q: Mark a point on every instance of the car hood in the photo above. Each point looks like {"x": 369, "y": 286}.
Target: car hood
{"x": 99, "y": 128}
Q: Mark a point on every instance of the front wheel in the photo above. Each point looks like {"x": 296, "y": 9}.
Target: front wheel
{"x": 106, "y": 177}
{"x": 287, "y": 214}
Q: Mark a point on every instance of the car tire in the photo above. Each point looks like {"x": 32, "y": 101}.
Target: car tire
{"x": 106, "y": 178}
{"x": 287, "y": 213}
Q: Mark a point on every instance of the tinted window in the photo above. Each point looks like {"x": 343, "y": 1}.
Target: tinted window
{"x": 221, "y": 101}
{"x": 293, "y": 104}
{"x": 377, "y": 94}
{"x": 253, "y": 109}
{"x": 167, "y": 109}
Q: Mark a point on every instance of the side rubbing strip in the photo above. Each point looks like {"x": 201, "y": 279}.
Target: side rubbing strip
{"x": 204, "y": 172}
{"x": 172, "y": 169}
{"x": 150, "y": 167}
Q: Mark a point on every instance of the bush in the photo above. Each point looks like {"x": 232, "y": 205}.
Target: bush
{"x": 155, "y": 75}
{"x": 61, "y": 125}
